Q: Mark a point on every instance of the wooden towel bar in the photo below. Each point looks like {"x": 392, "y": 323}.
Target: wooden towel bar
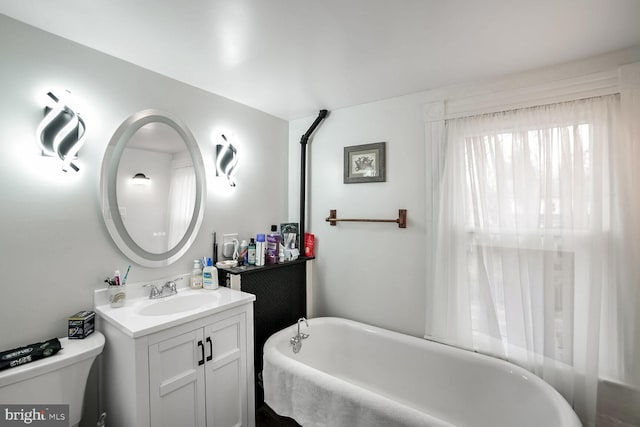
{"x": 401, "y": 220}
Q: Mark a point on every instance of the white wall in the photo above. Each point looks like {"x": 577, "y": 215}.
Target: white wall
{"x": 55, "y": 248}
{"x": 377, "y": 273}
{"x": 370, "y": 272}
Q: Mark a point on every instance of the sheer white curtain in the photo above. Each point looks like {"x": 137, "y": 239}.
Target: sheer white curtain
{"x": 182, "y": 196}
{"x": 533, "y": 260}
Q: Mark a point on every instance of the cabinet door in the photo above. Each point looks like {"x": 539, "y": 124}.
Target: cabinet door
{"x": 226, "y": 372}
{"x": 176, "y": 381}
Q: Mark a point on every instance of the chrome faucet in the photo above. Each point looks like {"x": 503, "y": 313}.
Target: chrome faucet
{"x": 296, "y": 342}
{"x": 167, "y": 289}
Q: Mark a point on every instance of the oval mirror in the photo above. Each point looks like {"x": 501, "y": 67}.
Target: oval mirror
{"x": 153, "y": 187}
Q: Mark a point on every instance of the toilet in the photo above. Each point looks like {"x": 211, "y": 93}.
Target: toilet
{"x": 58, "y": 379}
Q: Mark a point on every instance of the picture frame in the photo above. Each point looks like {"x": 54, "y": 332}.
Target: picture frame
{"x": 365, "y": 163}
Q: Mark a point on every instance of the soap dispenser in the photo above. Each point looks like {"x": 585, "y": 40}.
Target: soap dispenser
{"x": 195, "y": 281}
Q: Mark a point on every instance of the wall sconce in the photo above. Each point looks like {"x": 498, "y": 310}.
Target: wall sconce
{"x": 226, "y": 160}
{"x": 140, "y": 179}
{"x": 61, "y": 132}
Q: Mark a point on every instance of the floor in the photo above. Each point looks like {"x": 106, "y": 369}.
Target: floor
{"x": 265, "y": 417}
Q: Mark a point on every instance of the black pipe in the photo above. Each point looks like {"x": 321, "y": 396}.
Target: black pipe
{"x": 303, "y": 172}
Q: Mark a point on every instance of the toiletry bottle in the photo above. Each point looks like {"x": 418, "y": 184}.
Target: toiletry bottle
{"x": 273, "y": 246}
{"x": 309, "y": 244}
{"x": 243, "y": 257}
{"x": 116, "y": 278}
{"x": 251, "y": 252}
{"x": 210, "y": 275}
{"x": 195, "y": 281}
{"x": 260, "y": 249}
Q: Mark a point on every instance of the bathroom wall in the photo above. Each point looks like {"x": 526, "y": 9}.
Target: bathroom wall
{"x": 55, "y": 247}
{"x": 370, "y": 272}
{"x": 377, "y": 273}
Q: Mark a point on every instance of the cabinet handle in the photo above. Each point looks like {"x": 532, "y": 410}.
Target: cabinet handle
{"x": 210, "y": 356}
{"x": 201, "y": 345}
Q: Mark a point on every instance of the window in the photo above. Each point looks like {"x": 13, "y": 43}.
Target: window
{"x": 530, "y": 194}
{"x": 526, "y": 264}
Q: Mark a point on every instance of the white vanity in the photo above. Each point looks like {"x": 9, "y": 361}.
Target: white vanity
{"x": 184, "y": 360}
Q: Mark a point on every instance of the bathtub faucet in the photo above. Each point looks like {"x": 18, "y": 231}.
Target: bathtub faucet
{"x": 296, "y": 342}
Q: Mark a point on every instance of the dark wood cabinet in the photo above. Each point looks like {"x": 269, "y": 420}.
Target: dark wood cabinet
{"x": 281, "y": 299}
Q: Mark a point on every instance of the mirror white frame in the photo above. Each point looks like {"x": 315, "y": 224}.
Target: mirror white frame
{"x": 108, "y": 185}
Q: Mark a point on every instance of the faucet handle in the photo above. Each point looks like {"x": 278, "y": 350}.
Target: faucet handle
{"x": 171, "y": 285}
{"x": 155, "y": 292}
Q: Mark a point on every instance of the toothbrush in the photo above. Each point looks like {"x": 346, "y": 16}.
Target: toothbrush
{"x": 124, "y": 280}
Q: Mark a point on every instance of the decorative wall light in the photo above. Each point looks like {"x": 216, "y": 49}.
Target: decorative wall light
{"x": 140, "y": 179}
{"x": 61, "y": 132}
{"x": 226, "y": 160}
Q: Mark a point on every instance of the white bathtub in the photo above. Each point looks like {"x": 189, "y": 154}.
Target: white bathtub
{"x": 351, "y": 374}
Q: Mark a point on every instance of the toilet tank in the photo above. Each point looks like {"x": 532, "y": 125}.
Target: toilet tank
{"x": 58, "y": 379}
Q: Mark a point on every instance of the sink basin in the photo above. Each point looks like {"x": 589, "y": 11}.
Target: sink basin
{"x": 178, "y": 304}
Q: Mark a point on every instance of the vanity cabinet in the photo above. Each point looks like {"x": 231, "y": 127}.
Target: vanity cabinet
{"x": 198, "y": 373}
{"x": 198, "y": 378}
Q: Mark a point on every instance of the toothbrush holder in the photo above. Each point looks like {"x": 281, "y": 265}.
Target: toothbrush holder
{"x": 117, "y": 296}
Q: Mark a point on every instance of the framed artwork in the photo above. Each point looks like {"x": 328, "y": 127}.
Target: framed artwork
{"x": 364, "y": 163}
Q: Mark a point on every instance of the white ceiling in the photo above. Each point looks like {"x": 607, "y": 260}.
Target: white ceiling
{"x": 291, "y": 58}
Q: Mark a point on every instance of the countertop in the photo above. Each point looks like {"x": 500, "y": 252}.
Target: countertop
{"x": 131, "y": 322}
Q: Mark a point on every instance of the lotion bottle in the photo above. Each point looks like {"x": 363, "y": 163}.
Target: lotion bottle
{"x": 210, "y": 275}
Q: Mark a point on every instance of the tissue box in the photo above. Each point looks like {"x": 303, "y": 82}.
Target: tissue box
{"x": 81, "y": 325}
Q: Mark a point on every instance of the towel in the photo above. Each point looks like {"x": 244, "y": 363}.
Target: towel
{"x": 316, "y": 399}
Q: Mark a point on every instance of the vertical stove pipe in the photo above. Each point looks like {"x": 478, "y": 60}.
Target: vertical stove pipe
{"x": 303, "y": 172}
